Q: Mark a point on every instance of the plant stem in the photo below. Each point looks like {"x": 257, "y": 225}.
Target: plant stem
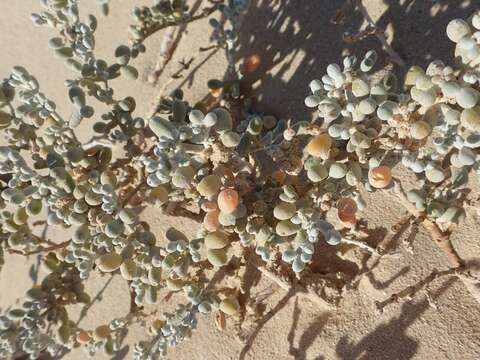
{"x": 410, "y": 291}
{"x": 380, "y": 35}
{"x": 442, "y": 239}
{"x": 152, "y": 29}
{"x": 361, "y": 245}
{"x": 170, "y": 41}
{"x": 295, "y": 286}
{"x": 184, "y": 66}
{"x": 41, "y": 249}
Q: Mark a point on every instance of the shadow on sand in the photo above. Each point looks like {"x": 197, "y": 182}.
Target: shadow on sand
{"x": 296, "y": 40}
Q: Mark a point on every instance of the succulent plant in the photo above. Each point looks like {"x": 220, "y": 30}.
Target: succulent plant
{"x": 262, "y": 189}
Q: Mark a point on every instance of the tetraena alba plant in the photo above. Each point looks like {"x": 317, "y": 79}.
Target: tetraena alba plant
{"x": 263, "y": 189}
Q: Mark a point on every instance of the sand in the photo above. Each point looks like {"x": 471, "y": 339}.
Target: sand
{"x": 296, "y": 41}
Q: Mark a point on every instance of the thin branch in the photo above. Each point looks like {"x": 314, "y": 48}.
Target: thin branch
{"x": 134, "y": 308}
{"x": 394, "y": 233}
{"x": 167, "y": 48}
{"x": 384, "y": 246}
{"x": 442, "y": 239}
{"x": 408, "y": 242}
{"x": 354, "y": 38}
{"x": 169, "y": 45}
{"x": 295, "y": 287}
{"x": 181, "y": 212}
{"x": 142, "y": 183}
{"x": 152, "y": 29}
{"x": 380, "y": 35}
{"x": 133, "y": 192}
{"x": 411, "y": 291}
{"x": 184, "y": 66}
{"x": 40, "y": 249}
{"x": 361, "y": 245}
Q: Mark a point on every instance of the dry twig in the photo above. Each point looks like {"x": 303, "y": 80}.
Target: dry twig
{"x": 362, "y": 245}
{"x": 412, "y": 290}
{"x": 297, "y": 287}
{"x": 184, "y": 66}
{"x": 40, "y": 249}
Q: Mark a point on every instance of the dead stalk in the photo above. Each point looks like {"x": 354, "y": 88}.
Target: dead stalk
{"x": 361, "y": 245}
{"x": 412, "y": 290}
{"x": 40, "y": 249}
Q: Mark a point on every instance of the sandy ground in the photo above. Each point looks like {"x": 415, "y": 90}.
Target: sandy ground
{"x": 296, "y": 41}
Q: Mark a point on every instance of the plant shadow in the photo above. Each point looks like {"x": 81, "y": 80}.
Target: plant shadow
{"x": 309, "y": 335}
{"x": 261, "y": 323}
{"x": 96, "y": 298}
{"x": 416, "y": 24}
{"x": 326, "y": 260}
{"x": 390, "y": 340}
{"x": 297, "y": 39}
{"x": 122, "y": 353}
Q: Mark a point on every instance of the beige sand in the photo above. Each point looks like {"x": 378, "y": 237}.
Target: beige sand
{"x": 296, "y": 41}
